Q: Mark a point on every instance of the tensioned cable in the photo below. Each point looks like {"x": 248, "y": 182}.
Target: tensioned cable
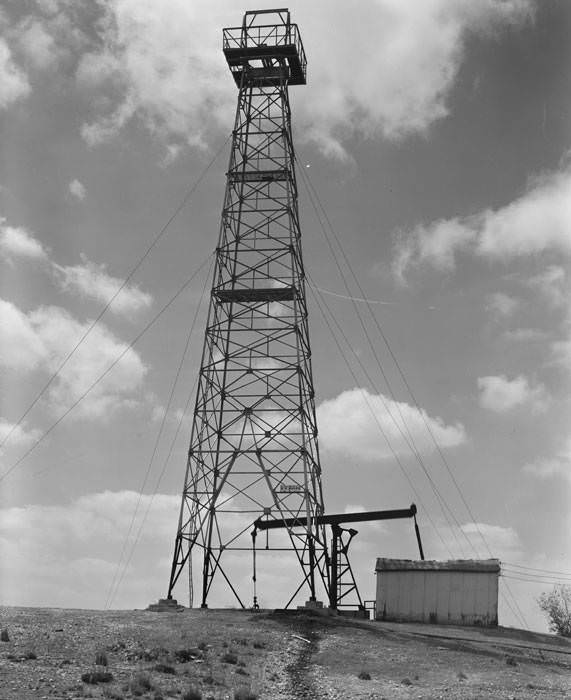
{"x": 352, "y": 298}
{"x": 520, "y": 614}
{"x": 401, "y": 373}
{"x": 531, "y": 568}
{"x": 373, "y": 414}
{"x": 105, "y": 372}
{"x": 535, "y": 577}
{"x": 311, "y": 189}
{"x": 542, "y": 581}
{"x": 507, "y": 602}
{"x": 408, "y": 438}
{"x": 117, "y": 580}
{"x": 163, "y": 471}
{"x": 133, "y": 271}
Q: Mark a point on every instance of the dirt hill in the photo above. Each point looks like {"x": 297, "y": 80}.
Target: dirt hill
{"x": 237, "y": 654}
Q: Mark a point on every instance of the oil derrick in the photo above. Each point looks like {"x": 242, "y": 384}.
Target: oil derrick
{"x": 253, "y": 449}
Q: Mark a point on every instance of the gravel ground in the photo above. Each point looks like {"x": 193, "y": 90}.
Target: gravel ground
{"x": 273, "y": 656}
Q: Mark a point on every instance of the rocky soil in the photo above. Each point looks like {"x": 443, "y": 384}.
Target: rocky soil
{"x": 215, "y": 654}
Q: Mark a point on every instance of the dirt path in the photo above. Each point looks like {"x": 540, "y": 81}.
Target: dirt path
{"x": 271, "y": 657}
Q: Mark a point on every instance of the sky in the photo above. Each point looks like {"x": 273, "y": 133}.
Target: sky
{"x": 434, "y": 137}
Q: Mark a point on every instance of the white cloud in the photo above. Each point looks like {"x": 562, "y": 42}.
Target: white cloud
{"x": 19, "y": 436}
{"x": 41, "y": 339}
{"x": 172, "y": 73}
{"x": 108, "y": 126}
{"x": 561, "y": 352}
{"x": 537, "y": 221}
{"x": 524, "y": 335}
{"x": 503, "y": 542}
{"x": 556, "y": 466}
{"x": 500, "y": 394}
{"x": 436, "y": 245}
{"x": 77, "y": 189}
{"x": 350, "y": 422}
{"x": 37, "y": 43}
{"x": 21, "y": 347}
{"x": 551, "y": 283}
{"x": 14, "y": 83}
{"x": 17, "y": 242}
{"x": 92, "y": 281}
{"x": 66, "y": 555}
{"x": 502, "y": 304}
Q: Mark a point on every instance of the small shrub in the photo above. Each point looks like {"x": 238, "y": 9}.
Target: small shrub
{"x": 100, "y": 659}
{"x": 229, "y": 658}
{"x": 557, "y": 606}
{"x": 406, "y": 681}
{"x": 203, "y": 646}
{"x": 192, "y": 694}
{"x": 240, "y": 671}
{"x": 94, "y": 677}
{"x": 510, "y": 661}
{"x": 462, "y": 676}
{"x": 30, "y": 655}
{"x": 259, "y": 645}
{"x": 165, "y": 668}
{"x": 140, "y": 685}
{"x": 244, "y": 694}
{"x": 4, "y": 636}
{"x": 112, "y": 695}
{"x": 364, "y": 676}
{"x": 151, "y": 654}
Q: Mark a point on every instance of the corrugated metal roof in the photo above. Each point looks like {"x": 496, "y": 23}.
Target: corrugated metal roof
{"x": 475, "y": 565}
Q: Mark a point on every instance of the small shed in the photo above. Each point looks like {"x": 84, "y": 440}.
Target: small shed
{"x": 456, "y": 592}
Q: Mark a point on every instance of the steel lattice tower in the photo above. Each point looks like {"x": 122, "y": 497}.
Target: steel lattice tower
{"x": 253, "y": 449}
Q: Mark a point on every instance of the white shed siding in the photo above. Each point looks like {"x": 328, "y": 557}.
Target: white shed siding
{"x": 461, "y": 592}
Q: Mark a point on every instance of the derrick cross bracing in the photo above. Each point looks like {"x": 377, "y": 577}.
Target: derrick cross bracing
{"x": 342, "y": 580}
{"x": 253, "y": 448}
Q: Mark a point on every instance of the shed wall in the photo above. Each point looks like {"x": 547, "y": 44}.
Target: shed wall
{"x": 441, "y": 597}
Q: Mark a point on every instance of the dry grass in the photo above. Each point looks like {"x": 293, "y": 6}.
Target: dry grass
{"x": 225, "y": 654}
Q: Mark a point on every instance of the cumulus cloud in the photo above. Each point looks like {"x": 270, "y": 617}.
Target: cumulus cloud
{"x": 89, "y": 280}
{"x": 502, "y": 304}
{"x": 16, "y": 242}
{"x": 66, "y": 555}
{"x": 525, "y": 335}
{"x": 551, "y": 283}
{"x": 14, "y": 83}
{"x": 537, "y": 221}
{"x": 503, "y": 542}
{"x": 41, "y": 339}
{"x": 557, "y": 466}
{"x": 92, "y": 281}
{"x": 37, "y": 43}
{"x": 500, "y": 394}
{"x": 167, "y": 68}
{"x": 356, "y": 422}
{"x": 21, "y": 348}
{"x": 19, "y": 435}
{"x": 77, "y": 189}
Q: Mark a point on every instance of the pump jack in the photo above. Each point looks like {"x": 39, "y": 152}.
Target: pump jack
{"x": 342, "y": 580}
